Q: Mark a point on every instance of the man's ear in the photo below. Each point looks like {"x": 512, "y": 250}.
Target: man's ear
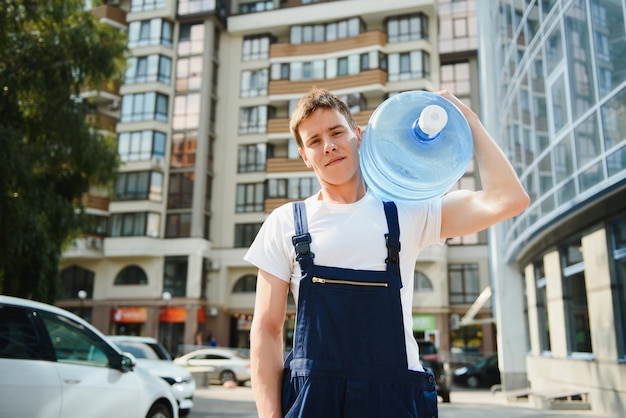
{"x": 303, "y": 155}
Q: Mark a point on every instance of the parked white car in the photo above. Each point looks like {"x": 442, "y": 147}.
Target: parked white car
{"x": 56, "y": 365}
{"x": 221, "y": 364}
{"x": 152, "y": 356}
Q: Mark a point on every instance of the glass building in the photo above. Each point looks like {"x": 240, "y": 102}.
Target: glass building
{"x": 554, "y": 94}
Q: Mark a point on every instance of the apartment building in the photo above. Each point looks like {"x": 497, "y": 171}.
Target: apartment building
{"x": 206, "y": 155}
{"x": 554, "y": 91}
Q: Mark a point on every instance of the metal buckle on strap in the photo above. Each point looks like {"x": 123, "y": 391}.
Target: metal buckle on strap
{"x": 393, "y": 250}
{"x": 302, "y": 246}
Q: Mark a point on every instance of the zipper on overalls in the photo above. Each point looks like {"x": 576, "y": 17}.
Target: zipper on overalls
{"x": 349, "y": 282}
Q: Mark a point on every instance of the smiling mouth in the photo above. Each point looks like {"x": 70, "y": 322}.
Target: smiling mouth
{"x": 333, "y": 161}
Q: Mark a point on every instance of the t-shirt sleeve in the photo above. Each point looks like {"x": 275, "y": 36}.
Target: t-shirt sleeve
{"x": 426, "y": 223}
{"x": 271, "y": 250}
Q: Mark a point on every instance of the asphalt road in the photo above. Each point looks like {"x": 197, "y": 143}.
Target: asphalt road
{"x": 217, "y": 402}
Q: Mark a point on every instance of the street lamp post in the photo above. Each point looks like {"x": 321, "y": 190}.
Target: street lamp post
{"x": 167, "y": 296}
{"x": 82, "y": 295}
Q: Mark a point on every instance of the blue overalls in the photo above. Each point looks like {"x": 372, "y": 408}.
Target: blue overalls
{"x": 349, "y": 357}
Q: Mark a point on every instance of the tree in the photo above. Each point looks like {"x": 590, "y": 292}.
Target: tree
{"x": 49, "y": 49}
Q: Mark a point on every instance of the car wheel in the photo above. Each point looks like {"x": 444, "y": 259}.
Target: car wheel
{"x": 159, "y": 411}
{"x": 227, "y": 376}
{"x": 473, "y": 382}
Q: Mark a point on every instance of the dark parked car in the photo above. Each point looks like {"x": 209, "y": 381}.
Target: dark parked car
{"x": 483, "y": 373}
{"x": 431, "y": 360}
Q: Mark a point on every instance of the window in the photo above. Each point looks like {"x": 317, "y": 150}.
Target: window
{"x": 180, "y": 193}
{"x": 255, "y": 48}
{"x": 329, "y": 32}
{"x": 254, "y": 83}
{"x": 575, "y": 298}
{"x": 255, "y": 7}
{"x": 148, "y": 69}
{"x": 95, "y": 225}
{"x": 144, "y": 5}
{"x": 250, "y": 197}
{"x": 456, "y": 77}
{"x": 135, "y": 224}
{"x": 251, "y": 158}
{"x": 74, "y": 279}
{"x": 245, "y": 234}
{"x": 178, "y": 225}
{"x": 72, "y": 343}
{"x": 186, "y": 111}
{"x": 175, "y": 280}
{"x": 407, "y": 28}
{"x": 186, "y": 7}
{"x": 150, "y": 32}
{"x": 131, "y": 275}
{"x": 609, "y": 39}
{"x": 144, "y": 106}
{"x": 408, "y": 66}
{"x": 141, "y": 145}
{"x": 246, "y": 284}
{"x": 253, "y": 120}
{"x": 140, "y": 185}
{"x": 191, "y": 39}
{"x": 463, "y": 281}
{"x": 421, "y": 282}
{"x": 184, "y": 149}
{"x": 189, "y": 73}
{"x": 19, "y": 338}
{"x": 292, "y": 188}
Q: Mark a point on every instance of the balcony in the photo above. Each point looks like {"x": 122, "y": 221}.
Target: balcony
{"x": 110, "y": 13}
{"x": 108, "y": 93}
{"x": 102, "y": 122}
{"x": 285, "y": 165}
{"x": 364, "y": 40}
{"x": 365, "y": 78}
{"x": 281, "y": 125}
{"x": 95, "y": 202}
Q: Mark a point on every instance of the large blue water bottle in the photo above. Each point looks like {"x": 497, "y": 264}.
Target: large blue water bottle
{"x": 416, "y": 146}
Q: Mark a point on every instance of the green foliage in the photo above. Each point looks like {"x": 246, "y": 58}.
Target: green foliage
{"x": 49, "y": 50}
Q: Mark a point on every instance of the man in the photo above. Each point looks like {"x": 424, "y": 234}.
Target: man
{"x": 351, "y": 275}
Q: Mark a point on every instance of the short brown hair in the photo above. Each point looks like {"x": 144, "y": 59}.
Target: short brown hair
{"x": 317, "y": 98}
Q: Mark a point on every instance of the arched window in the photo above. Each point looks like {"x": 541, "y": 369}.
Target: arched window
{"x": 131, "y": 275}
{"x": 421, "y": 282}
{"x": 75, "y": 278}
{"x": 246, "y": 284}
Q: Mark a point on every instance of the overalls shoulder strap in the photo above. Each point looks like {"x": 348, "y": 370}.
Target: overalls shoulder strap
{"x": 392, "y": 238}
{"x": 302, "y": 239}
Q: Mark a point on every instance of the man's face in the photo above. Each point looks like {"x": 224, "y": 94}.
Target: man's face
{"x": 330, "y": 147}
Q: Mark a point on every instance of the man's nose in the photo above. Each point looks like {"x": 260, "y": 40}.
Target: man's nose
{"x": 329, "y": 145}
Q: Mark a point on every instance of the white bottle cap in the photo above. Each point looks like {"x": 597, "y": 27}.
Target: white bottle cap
{"x": 432, "y": 120}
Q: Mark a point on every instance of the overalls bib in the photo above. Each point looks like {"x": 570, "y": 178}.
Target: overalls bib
{"x": 349, "y": 357}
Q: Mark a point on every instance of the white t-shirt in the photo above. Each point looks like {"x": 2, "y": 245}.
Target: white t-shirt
{"x": 350, "y": 236}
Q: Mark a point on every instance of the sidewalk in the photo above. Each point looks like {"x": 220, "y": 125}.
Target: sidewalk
{"x": 499, "y": 399}
{"x": 466, "y": 403}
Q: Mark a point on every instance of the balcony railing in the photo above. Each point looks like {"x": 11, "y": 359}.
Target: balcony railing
{"x": 110, "y": 13}
{"x": 364, "y": 78}
{"x": 364, "y": 40}
{"x": 285, "y": 165}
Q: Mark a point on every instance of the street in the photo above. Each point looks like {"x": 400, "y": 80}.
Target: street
{"x": 217, "y": 402}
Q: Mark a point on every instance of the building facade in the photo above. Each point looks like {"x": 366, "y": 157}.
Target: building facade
{"x": 202, "y": 126}
{"x": 554, "y": 91}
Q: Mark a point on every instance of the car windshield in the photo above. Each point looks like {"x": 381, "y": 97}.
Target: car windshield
{"x": 139, "y": 350}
